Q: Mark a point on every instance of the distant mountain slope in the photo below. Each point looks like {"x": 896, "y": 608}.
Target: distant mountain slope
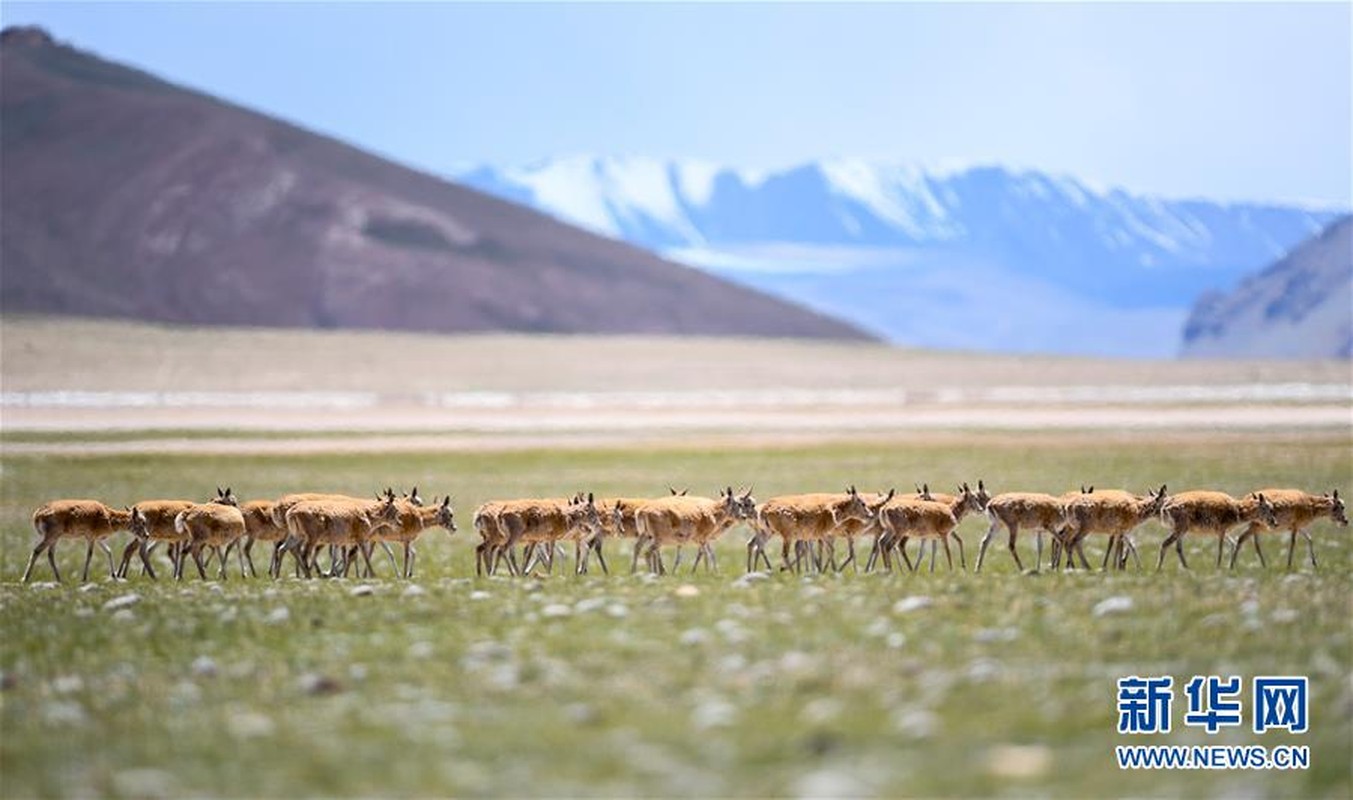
{"x": 128, "y": 196}
{"x": 982, "y": 257}
{"x": 1300, "y": 307}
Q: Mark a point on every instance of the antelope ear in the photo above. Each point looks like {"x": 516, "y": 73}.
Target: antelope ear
{"x": 748, "y": 493}
{"x": 590, "y": 499}
{"x": 980, "y": 486}
{"x": 1336, "y": 494}
{"x": 446, "y": 502}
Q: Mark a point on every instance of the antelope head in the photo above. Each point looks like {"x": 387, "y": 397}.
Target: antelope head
{"x": 1266, "y": 512}
{"x": 582, "y": 511}
{"x": 445, "y": 515}
{"x": 883, "y": 500}
{"x": 139, "y": 527}
{"x": 1155, "y": 500}
{"x": 983, "y": 497}
{"x": 225, "y": 497}
{"x": 1337, "y": 509}
{"x": 969, "y": 499}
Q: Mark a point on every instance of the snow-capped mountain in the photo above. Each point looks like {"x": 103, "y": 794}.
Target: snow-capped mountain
{"x": 978, "y": 257}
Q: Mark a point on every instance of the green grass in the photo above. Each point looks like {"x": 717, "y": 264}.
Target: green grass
{"x": 790, "y": 685}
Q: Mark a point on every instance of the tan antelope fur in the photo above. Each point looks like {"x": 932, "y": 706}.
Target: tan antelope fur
{"x": 904, "y": 519}
{"x": 958, "y": 505}
{"x": 153, "y": 522}
{"x": 283, "y": 505}
{"x": 690, "y": 520}
{"x": 313, "y": 524}
{"x": 1042, "y": 513}
{"x": 1212, "y": 513}
{"x": 617, "y": 521}
{"x": 90, "y": 520}
{"x": 1295, "y": 510}
{"x": 1014, "y": 510}
{"x": 503, "y": 524}
{"x": 540, "y": 526}
{"x": 802, "y": 519}
{"x": 214, "y": 525}
{"x": 409, "y": 523}
{"x": 259, "y": 526}
{"x": 1108, "y": 511}
{"x": 492, "y": 548}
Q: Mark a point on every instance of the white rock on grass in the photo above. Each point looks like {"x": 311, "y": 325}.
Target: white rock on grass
{"x": 830, "y": 782}
{"x": 362, "y": 590}
{"x": 694, "y": 636}
{"x": 68, "y": 684}
{"x": 589, "y": 604}
{"x": 554, "y": 610}
{"x": 686, "y": 590}
{"x": 413, "y": 590}
{"x": 914, "y": 603}
{"x": 278, "y": 616}
{"x": 145, "y": 782}
{"x": 1118, "y": 604}
{"x": 204, "y": 667}
{"x": 249, "y": 725}
{"x": 480, "y": 595}
{"x": 124, "y": 601}
{"x": 1019, "y": 761}
{"x": 713, "y": 714}
{"x": 64, "y": 713}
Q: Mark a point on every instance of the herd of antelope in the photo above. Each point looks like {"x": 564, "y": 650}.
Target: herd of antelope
{"x": 523, "y": 535}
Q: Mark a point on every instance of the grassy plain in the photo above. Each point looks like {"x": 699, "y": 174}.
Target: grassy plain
{"x": 1004, "y": 684}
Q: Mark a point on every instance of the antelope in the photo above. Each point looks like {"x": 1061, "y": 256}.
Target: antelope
{"x": 409, "y": 523}
{"x": 903, "y": 519}
{"x": 213, "y": 525}
{"x": 90, "y": 520}
{"x": 157, "y": 525}
{"x": 283, "y": 505}
{"x": 1295, "y": 510}
{"x": 1110, "y": 511}
{"x": 617, "y": 520}
{"x": 312, "y": 524}
{"x": 697, "y": 520}
{"x": 1210, "y": 512}
{"x": 804, "y": 518}
{"x": 497, "y": 520}
{"x": 259, "y": 526}
{"x": 958, "y": 506}
{"x": 1013, "y": 510}
{"x": 541, "y": 525}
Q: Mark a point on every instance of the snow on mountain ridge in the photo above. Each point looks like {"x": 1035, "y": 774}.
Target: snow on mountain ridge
{"x": 881, "y": 242}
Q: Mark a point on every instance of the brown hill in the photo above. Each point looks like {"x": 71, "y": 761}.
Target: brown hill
{"x": 1300, "y": 307}
{"x": 127, "y": 196}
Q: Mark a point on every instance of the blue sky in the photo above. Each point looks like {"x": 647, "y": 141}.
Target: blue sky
{"x": 1249, "y": 101}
